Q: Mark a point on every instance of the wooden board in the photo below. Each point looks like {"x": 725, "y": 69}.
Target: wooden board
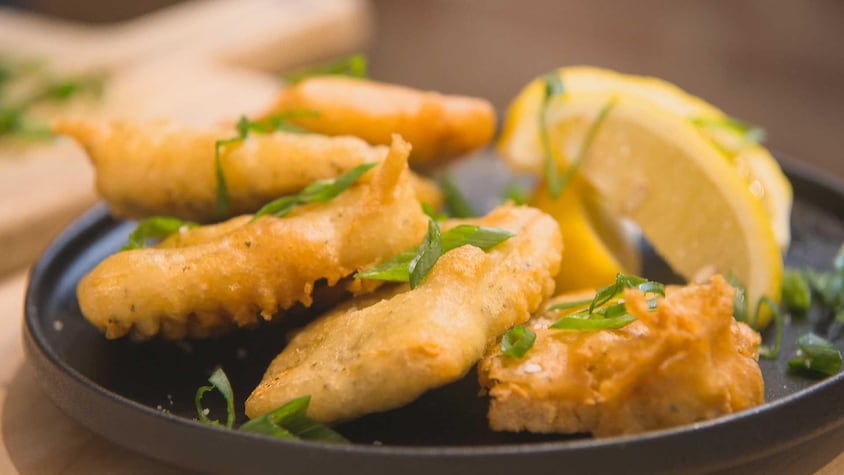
{"x": 199, "y": 62}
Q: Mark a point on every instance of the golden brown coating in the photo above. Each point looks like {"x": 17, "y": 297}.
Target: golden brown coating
{"x": 157, "y": 168}
{"x": 384, "y": 350}
{"x": 685, "y": 362}
{"x": 208, "y": 279}
{"x": 439, "y": 126}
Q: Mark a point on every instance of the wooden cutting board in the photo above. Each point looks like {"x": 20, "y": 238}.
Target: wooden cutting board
{"x": 199, "y": 62}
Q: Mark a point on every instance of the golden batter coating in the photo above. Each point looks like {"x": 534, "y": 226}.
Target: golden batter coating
{"x": 384, "y": 350}
{"x": 687, "y": 361}
{"x": 439, "y": 126}
{"x": 208, "y": 279}
{"x": 157, "y": 168}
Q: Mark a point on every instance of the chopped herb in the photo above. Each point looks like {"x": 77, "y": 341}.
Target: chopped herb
{"x": 317, "y": 192}
{"x": 432, "y": 213}
{"x": 740, "y": 312}
{"x": 517, "y": 341}
{"x": 156, "y": 227}
{"x": 354, "y": 66}
{"x": 426, "y": 256}
{"x": 516, "y": 193}
{"x": 585, "y": 146}
{"x": 766, "y": 351}
{"x": 397, "y": 268}
{"x": 553, "y": 87}
{"x": 220, "y": 382}
{"x": 796, "y": 295}
{"x": 244, "y": 126}
{"x": 600, "y": 314}
{"x": 816, "y": 357}
{"x": 290, "y": 422}
{"x": 749, "y": 132}
{"x": 455, "y": 203}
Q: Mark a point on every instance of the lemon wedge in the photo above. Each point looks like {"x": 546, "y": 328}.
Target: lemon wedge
{"x": 520, "y": 140}
{"x": 600, "y": 245}
{"x": 657, "y": 169}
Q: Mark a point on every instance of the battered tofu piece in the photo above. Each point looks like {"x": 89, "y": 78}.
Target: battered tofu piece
{"x": 439, "y": 126}
{"x": 158, "y": 168}
{"x": 687, "y": 361}
{"x": 205, "y": 280}
{"x": 386, "y": 349}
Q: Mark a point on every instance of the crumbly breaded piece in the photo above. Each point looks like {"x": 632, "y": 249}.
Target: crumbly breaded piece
{"x": 157, "y": 168}
{"x": 384, "y": 350}
{"x": 685, "y": 362}
{"x": 439, "y": 126}
{"x": 207, "y": 279}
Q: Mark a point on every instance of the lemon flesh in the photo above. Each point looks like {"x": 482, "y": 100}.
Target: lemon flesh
{"x": 659, "y": 170}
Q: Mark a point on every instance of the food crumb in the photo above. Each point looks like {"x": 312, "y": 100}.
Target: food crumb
{"x": 241, "y": 353}
{"x": 377, "y": 442}
{"x": 58, "y": 325}
{"x": 206, "y": 411}
{"x": 531, "y": 368}
{"x": 170, "y": 399}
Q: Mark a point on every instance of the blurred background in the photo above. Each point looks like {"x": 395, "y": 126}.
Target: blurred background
{"x": 776, "y": 64}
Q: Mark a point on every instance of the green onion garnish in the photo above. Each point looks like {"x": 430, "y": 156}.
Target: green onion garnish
{"x": 740, "y": 312}
{"x": 456, "y": 203}
{"x": 553, "y": 87}
{"x": 517, "y": 341}
{"x": 220, "y": 382}
{"x": 432, "y": 213}
{"x": 426, "y": 256}
{"x": 244, "y": 126}
{"x": 600, "y": 314}
{"x": 317, "y": 192}
{"x": 766, "y": 351}
{"x": 290, "y": 422}
{"x": 515, "y": 193}
{"x": 156, "y": 227}
{"x": 396, "y": 269}
{"x": 816, "y": 357}
{"x": 354, "y": 66}
{"x": 585, "y": 146}
{"x": 796, "y": 295}
{"x": 749, "y": 132}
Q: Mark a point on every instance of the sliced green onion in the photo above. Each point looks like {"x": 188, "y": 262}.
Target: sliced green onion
{"x": 220, "y": 382}
{"x": 569, "y": 305}
{"x": 290, "y": 422}
{"x": 396, "y": 268}
{"x": 585, "y": 146}
{"x": 353, "y": 66}
{"x": 156, "y": 227}
{"x": 816, "y": 357}
{"x": 740, "y": 312}
{"x": 317, "y": 192}
{"x": 456, "y": 203}
{"x": 766, "y": 351}
{"x": 573, "y": 323}
{"x": 516, "y": 193}
{"x": 244, "y": 127}
{"x": 553, "y": 87}
{"x": 749, "y": 132}
{"x": 796, "y": 295}
{"x": 517, "y": 341}
{"x": 432, "y": 213}
{"x": 427, "y": 255}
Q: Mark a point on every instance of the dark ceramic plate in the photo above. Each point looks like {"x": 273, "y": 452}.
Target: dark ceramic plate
{"x": 141, "y": 395}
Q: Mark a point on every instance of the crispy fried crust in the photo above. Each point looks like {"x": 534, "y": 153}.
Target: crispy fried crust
{"x": 208, "y": 279}
{"x": 440, "y": 127}
{"x": 384, "y": 350}
{"x": 688, "y": 361}
{"x": 156, "y": 168}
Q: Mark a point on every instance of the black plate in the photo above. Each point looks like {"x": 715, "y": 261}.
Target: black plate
{"x": 141, "y": 395}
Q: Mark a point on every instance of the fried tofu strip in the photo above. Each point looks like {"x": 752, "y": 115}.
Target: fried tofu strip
{"x": 208, "y": 279}
{"x": 687, "y": 361}
{"x": 384, "y": 350}
{"x": 157, "y": 168}
{"x": 439, "y": 126}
